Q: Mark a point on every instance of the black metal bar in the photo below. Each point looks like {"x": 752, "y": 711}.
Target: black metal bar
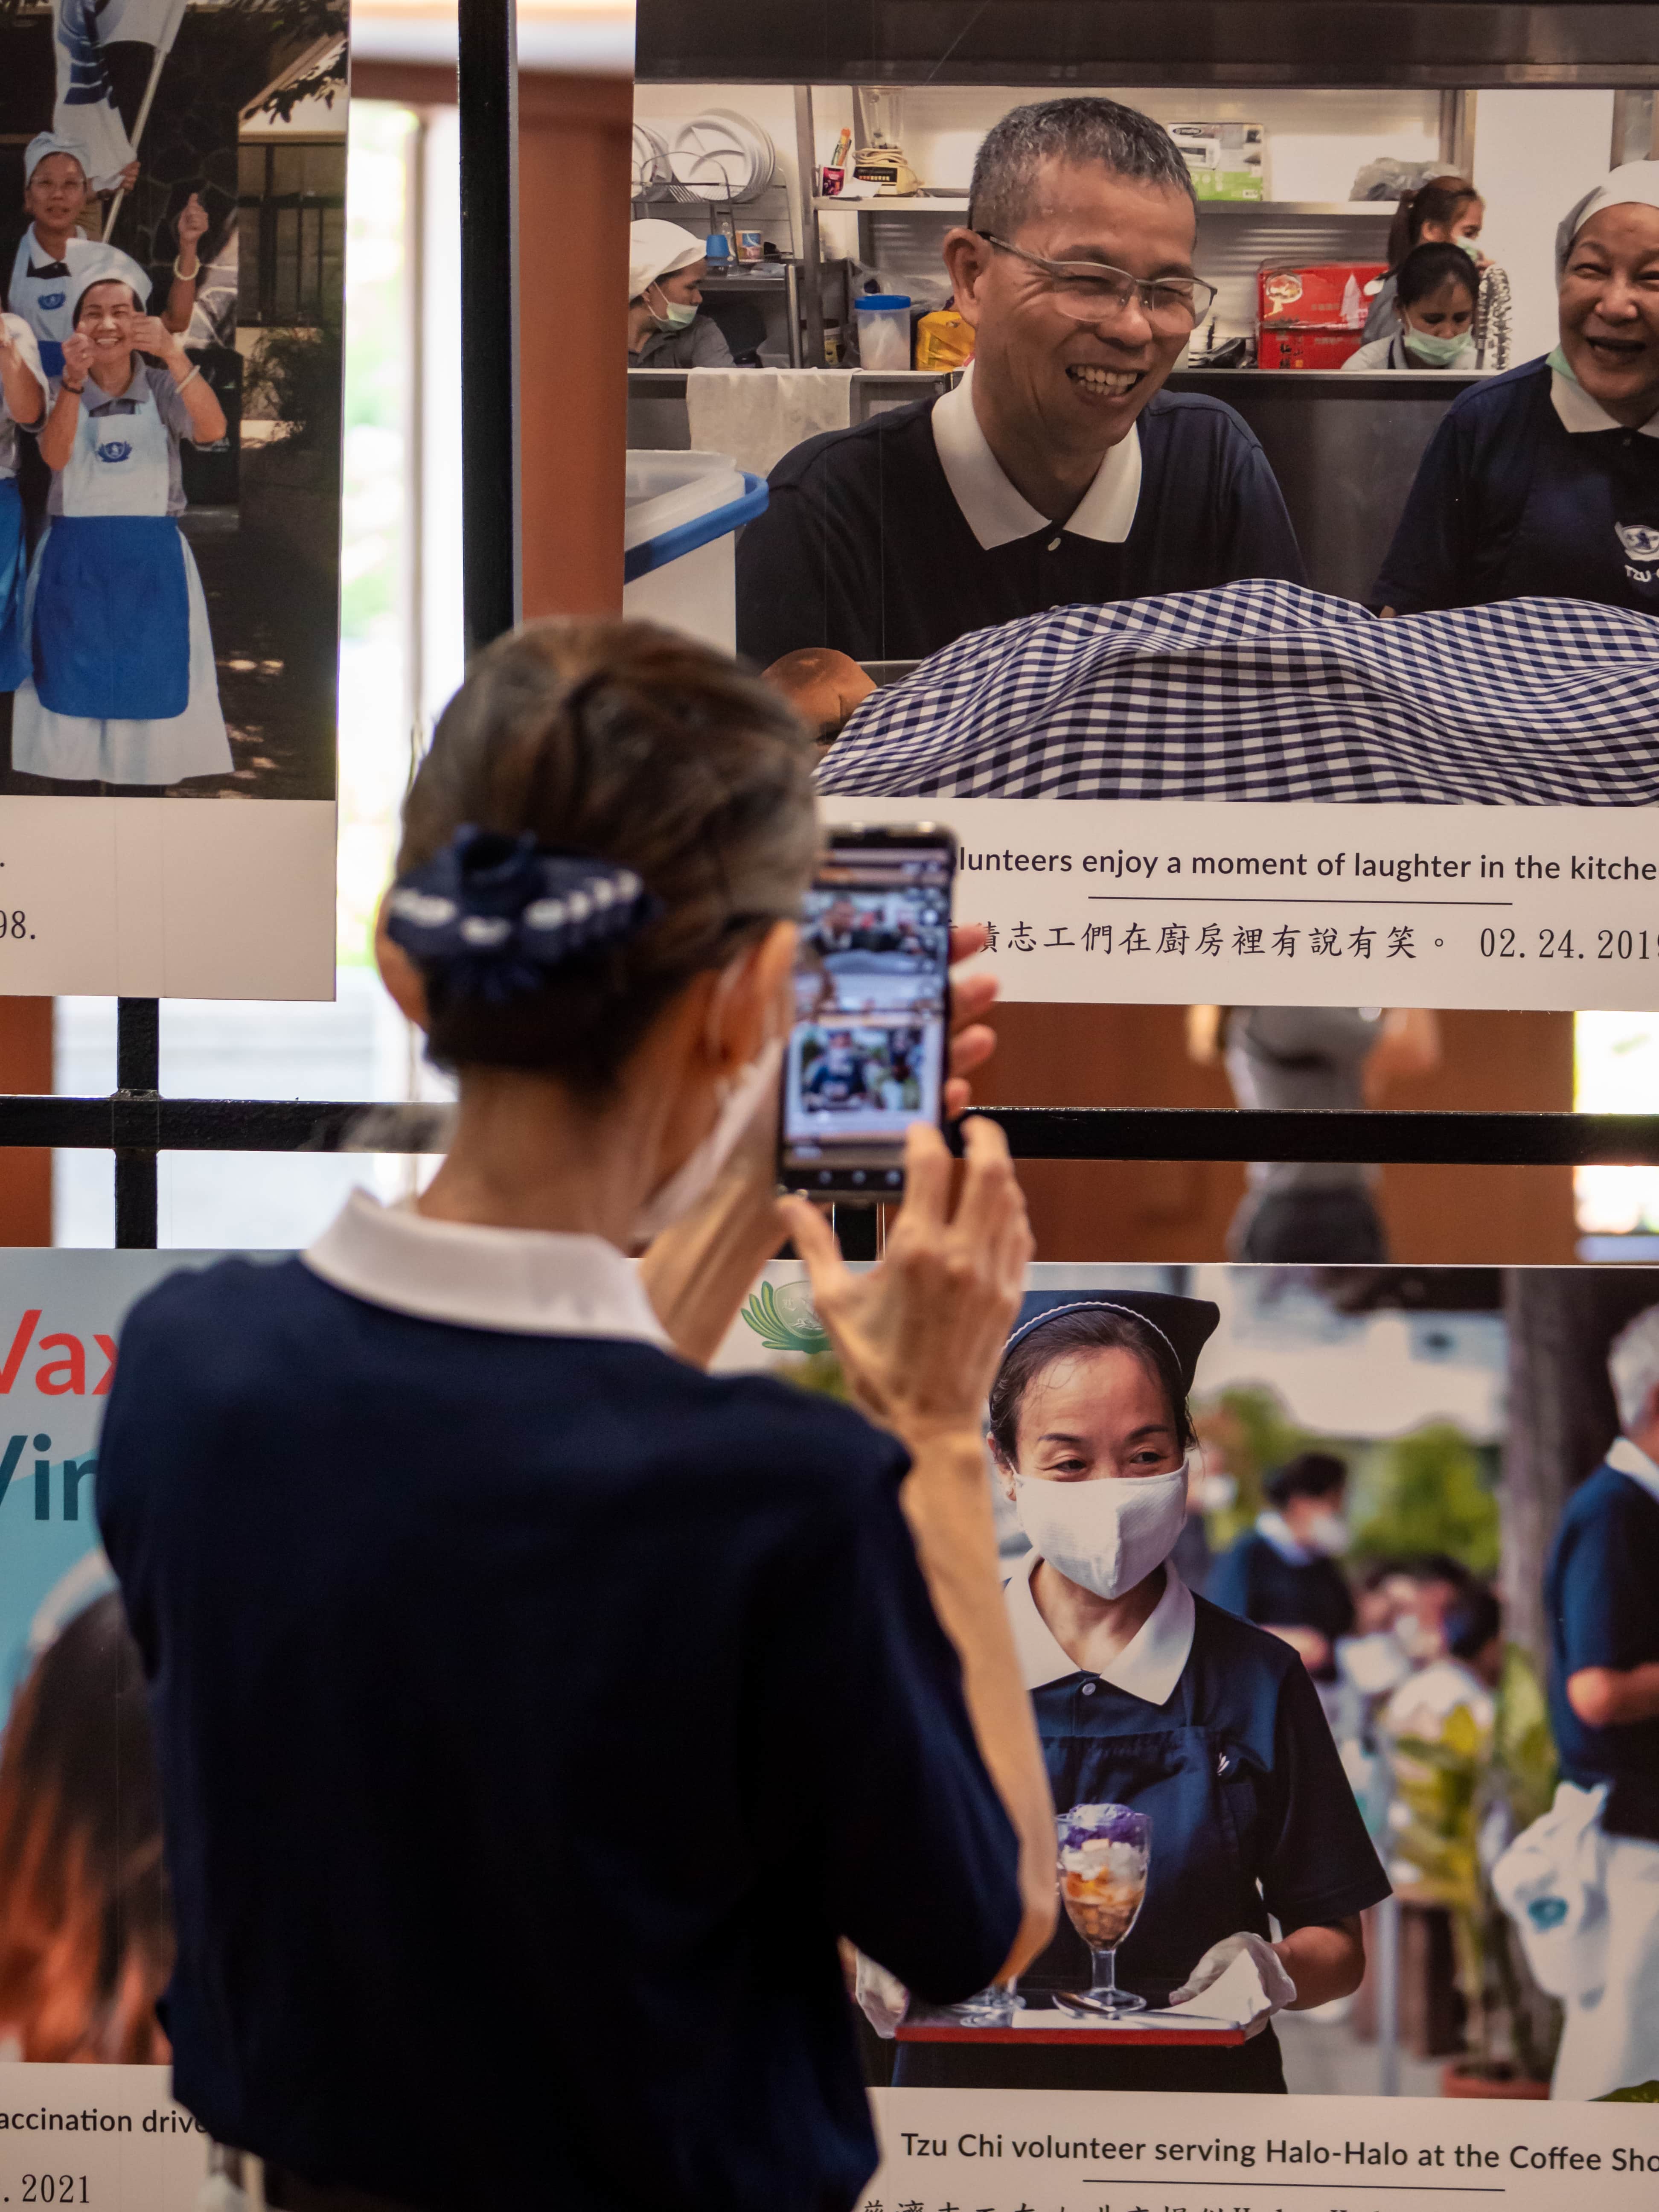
{"x": 138, "y": 1085}
{"x": 489, "y": 97}
{"x": 1035, "y": 1133}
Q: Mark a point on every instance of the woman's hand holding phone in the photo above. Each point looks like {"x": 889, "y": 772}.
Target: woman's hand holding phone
{"x": 698, "y": 1273}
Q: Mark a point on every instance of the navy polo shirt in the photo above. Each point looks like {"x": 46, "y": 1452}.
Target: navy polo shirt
{"x": 534, "y": 1713}
{"x": 1601, "y": 1596}
{"x": 863, "y": 546}
{"x": 1509, "y": 503}
{"x": 1255, "y": 1580}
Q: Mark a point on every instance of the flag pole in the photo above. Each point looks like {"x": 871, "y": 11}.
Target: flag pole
{"x": 143, "y": 118}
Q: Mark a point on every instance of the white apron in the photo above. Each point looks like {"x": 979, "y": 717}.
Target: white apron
{"x": 47, "y": 303}
{"x": 119, "y": 468}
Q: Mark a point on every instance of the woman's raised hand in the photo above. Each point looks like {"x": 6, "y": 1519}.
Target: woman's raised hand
{"x": 77, "y": 357}
{"x": 919, "y": 1335}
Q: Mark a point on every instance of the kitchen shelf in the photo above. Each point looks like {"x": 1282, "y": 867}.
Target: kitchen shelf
{"x": 956, "y": 204}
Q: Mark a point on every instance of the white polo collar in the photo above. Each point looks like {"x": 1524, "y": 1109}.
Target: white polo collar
{"x": 997, "y": 513}
{"x": 1149, "y": 1664}
{"x": 1630, "y": 1458}
{"x": 1579, "y": 413}
{"x": 529, "y": 1282}
{"x": 1277, "y": 1531}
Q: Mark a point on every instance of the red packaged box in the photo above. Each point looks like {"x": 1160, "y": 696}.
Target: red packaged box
{"x": 1289, "y": 345}
{"x": 1327, "y": 294}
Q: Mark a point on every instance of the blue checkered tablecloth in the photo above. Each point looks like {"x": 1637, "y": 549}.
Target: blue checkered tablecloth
{"x": 1264, "y": 690}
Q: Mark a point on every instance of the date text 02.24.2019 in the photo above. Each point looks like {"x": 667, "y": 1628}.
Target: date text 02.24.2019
{"x": 1559, "y": 945}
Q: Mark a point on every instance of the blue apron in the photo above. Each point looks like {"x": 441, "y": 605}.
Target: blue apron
{"x": 1199, "y": 1789}
{"x": 14, "y": 658}
{"x": 112, "y": 602}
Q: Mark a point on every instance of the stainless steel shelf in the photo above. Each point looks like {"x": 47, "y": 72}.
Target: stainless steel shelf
{"x": 956, "y": 204}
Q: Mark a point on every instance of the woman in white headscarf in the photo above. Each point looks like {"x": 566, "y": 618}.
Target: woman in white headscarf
{"x": 1545, "y": 482}
{"x": 666, "y": 269}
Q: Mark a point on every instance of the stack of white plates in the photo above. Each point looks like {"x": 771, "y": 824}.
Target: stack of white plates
{"x": 651, "y": 165}
{"x": 722, "y": 155}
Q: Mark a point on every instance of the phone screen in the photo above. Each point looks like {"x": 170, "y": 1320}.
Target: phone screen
{"x": 866, "y": 1054}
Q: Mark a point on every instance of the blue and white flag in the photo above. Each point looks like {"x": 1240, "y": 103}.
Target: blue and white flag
{"x": 86, "y": 111}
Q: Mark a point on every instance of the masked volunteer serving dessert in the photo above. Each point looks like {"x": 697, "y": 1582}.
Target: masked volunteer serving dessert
{"x": 1152, "y": 1699}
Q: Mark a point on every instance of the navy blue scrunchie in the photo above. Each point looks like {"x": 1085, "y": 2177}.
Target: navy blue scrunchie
{"x": 496, "y": 913}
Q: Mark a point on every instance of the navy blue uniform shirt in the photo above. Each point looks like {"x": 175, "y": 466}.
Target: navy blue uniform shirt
{"x": 534, "y": 1712}
{"x": 1255, "y": 1580}
{"x": 1509, "y": 503}
{"x": 1601, "y": 1595}
{"x": 863, "y": 547}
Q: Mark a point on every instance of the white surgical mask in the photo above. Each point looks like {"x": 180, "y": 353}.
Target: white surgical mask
{"x": 1107, "y": 1535}
{"x": 673, "y": 314}
{"x": 1328, "y": 1533}
{"x": 696, "y": 1176}
{"x": 1438, "y": 352}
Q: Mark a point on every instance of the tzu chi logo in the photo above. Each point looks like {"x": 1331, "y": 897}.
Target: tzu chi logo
{"x": 1641, "y": 544}
{"x": 117, "y": 449}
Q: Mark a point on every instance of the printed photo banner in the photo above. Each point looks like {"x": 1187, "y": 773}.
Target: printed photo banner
{"x": 173, "y": 257}
{"x": 1205, "y": 902}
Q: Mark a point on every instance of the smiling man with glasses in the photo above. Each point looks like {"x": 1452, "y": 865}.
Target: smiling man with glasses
{"x": 1058, "y": 472}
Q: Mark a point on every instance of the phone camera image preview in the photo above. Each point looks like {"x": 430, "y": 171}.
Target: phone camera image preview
{"x": 866, "y": 1052}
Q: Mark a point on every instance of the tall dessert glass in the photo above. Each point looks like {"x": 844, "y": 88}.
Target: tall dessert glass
{"x": 1105, "y": 1852}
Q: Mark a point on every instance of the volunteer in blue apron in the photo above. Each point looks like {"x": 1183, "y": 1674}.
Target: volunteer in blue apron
{"x": 124, "y": 690}
{"x": 1545, "y": 482}
{"x": 22, "y": 403}
{"x": 54, "y": 263}
{"x": 1149, "y": 1696}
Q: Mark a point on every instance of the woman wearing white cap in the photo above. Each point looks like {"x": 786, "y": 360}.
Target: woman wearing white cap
{"x": 1545, "y": 482}
{"x": 666, "y": 269}
{"x": 54, "y": 263}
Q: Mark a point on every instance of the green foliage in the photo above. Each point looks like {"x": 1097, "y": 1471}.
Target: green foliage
{"x": 1248, "y": 1432}
{"x": 1639, "y": 2093}
{"x": 296, "y": 376}
{"x": 1432, "y": 1497}
{"x": 1524, "y": 1750}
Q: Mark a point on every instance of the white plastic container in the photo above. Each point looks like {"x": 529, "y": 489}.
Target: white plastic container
{"x": 883, "y": 330}
{"x": 697, "y": 593}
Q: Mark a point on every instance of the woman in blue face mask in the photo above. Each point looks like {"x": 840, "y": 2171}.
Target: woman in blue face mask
{"x": 1150, "y": 1697}
{"x": 665, "y": 330}
{"x": 1436, "y": 288}
{"x": 1446, "y": 211}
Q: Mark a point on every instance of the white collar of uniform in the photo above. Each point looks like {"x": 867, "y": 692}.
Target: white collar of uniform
{"x": 997, "y": 513}
{"x": 1149, "y": 1664}
{"x": 1578, "y": 412}
{"x": 1277, "y": 1531}
{"x": 529, "y": 1282}
{"x": 1630, "y": 1458}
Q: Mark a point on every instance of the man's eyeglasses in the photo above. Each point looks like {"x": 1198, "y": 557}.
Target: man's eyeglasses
{"x": 1091, "y": 292}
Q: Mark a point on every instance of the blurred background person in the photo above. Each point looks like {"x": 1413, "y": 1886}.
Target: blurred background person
{"x": 665, "y": 328}
{"x": 1307, "y": 1212}
{"x": 1447, "y": 211}
{"x": 86, "y": 1939}
{"x": 1601, "y": 1598}
{"x": 22, "y": 403}
{"x": 1283, "y": 1574}
{"x": 1438, "y": 286}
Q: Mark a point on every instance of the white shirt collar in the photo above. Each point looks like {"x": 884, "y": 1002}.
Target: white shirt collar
{"x": 1630, "y": 1458}
{"x": 531, "y": 1282}
{"x": 997, "y": 513}
{"x": 1578, "y": 412}
{"x": 1149, "y": 1664}
{"x": 1276, "y": 1531}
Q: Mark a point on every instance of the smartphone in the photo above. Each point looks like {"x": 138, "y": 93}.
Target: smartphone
{"x": 866, "y": 1054}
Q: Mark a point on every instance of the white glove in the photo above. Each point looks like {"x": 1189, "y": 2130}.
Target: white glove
{"x": 882, "y": 1996}
{"x": 1277, "y": 1987}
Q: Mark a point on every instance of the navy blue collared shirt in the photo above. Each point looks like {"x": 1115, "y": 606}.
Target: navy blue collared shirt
{"x": 1601, "y": 1596}
{"x": 534, "y": 1712}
